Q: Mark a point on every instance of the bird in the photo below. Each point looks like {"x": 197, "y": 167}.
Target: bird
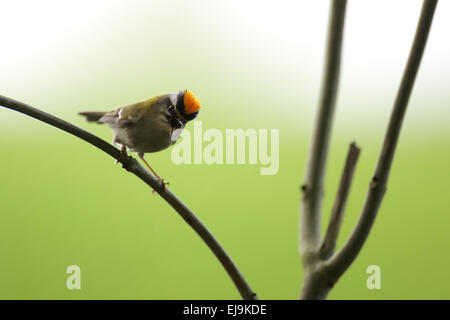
{"x": 151, "y": 125}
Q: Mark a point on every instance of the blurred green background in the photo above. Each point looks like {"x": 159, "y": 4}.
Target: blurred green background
{"x": 252, "y": 65}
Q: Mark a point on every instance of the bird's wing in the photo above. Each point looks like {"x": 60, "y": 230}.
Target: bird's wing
{"x": 123, "y": 116}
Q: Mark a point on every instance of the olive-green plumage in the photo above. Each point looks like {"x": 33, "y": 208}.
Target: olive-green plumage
{"x": 148, "y": 126}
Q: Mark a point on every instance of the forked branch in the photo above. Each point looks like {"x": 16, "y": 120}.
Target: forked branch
{"x": 377, "y": 187}
{"x": 321, "y": 270}
{"x": 312, "y": 188}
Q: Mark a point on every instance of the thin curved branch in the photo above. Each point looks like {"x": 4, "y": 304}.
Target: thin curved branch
{"x": 329, "y": 242}
{"x": 344, "y": 258}
{"x": 131, "y": 164}
{"x": 315, "y": 171}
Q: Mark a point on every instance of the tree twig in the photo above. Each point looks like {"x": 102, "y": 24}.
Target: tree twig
{"x": 329, "y": 242}
{"x": 344, "y": 258}
{"x": 312, "y": 188}
{"x": 131, "y": 164}
{"x": 321, "y": 271}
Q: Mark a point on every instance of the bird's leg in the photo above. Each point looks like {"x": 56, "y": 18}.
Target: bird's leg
{"x": 164, "y": 184}
{"x": 141, "y": 155}
{"x": 123, "y": 151}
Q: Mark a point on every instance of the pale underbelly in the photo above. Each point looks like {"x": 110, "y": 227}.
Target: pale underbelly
{"x": 145, "y": 142}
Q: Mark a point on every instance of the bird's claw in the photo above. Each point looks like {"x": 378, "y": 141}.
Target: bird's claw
{"x": 123, "y": 153}
{"x": 163, "y": 184}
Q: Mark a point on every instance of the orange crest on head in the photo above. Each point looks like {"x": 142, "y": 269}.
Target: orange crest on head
{"x": 191, "y": 104}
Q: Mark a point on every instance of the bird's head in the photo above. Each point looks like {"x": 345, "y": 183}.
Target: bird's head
{"x": 187, "y": 105}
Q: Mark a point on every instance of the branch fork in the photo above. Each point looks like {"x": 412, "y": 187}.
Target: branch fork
{"x": 322, "y": 266}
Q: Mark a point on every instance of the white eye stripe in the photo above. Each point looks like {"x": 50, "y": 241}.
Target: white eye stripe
{"x": 173, "y": 99}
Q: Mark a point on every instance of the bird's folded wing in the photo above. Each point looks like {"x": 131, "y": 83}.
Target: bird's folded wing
{"x": 123, "y": 116}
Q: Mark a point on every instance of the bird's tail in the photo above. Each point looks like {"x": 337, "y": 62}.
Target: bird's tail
{"x": 92, "y": 116}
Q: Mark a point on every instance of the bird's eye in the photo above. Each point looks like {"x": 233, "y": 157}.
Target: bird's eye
{"x": 171, "y": 108}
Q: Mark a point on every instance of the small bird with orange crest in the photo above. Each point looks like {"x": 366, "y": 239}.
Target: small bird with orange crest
{"x": 149, "y": 126}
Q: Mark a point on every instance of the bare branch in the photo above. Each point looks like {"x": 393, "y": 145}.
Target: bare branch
{"x": 315, "y": 171}
{"x": 329, "y": 243}
{"x": 344, "y": 258}
{"x": 131, "y": 164}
